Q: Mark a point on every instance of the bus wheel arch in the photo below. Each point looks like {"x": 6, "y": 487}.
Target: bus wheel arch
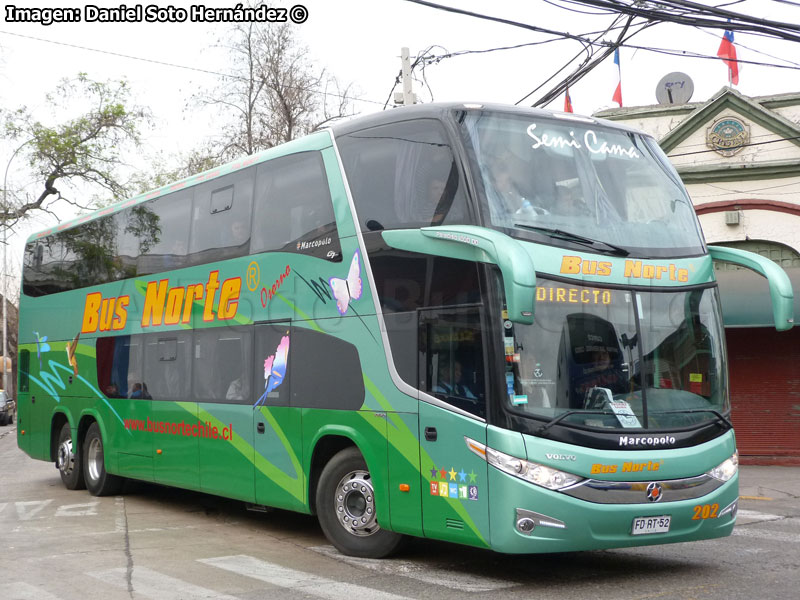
{"x": 99, "y": 482}
{"x": 345, "y": 506}
{"x": 65, "y": 452}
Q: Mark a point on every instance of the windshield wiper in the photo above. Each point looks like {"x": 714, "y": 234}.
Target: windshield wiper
{"x": 569, "y": 413}
{"x": 574, "y": 237}
{"x": 716, "y": 413}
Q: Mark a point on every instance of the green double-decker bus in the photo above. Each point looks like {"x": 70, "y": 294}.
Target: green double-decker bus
{"x": 481, "y": 324}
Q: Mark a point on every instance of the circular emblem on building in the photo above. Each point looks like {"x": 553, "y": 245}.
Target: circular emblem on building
{"x": 728, "y": 135}
{"x": 654, "y": 492}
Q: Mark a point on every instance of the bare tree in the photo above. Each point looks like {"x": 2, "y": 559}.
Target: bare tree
{"x": 274, "y": 93}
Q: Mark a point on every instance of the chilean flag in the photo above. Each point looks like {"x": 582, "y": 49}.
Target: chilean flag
{"x": 727, "y": 52}
{"x": 618, "y": 92}
{"x": 567, "y": 102}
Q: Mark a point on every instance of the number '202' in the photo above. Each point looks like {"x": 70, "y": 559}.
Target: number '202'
{"x": 705, "y": 511}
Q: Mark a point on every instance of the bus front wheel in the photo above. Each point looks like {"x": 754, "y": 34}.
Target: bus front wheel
{"x": 99, "y": 482}
{"x": 68, "y": 460}
{"x": 346, "y": 508}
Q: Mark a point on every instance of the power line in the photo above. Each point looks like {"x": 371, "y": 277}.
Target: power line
{"x": 748, "y": 145}
{"x": 675, "y": 12}
{"x": 174, "y": 65}
{"x": 740, "y": 45}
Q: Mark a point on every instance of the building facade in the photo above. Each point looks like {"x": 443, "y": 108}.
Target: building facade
{"x": 739, "y": 158}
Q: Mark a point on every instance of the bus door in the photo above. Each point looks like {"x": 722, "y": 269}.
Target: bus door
{"x": 166, "y": 382}
{"x": 455, "y": 500}
{"x": 223, "y": 370}
{"x": 279, "y": 480}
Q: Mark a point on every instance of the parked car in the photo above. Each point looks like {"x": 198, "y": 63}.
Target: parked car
{"x": 7, "y": 408}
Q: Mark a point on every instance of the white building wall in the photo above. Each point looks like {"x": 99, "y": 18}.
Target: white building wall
{"x": 753, "y": 225}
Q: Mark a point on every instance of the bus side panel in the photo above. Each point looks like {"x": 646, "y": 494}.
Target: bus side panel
{"x": 455, "y": 497}
{"x": 129, "y": 429}
{"x": 24, "y": 417}
{"x": 406, "y": 506}
{"x": 280, "y": 479}
{"x": 227, "y": 462}
{"x": 367, "y": 430}
{"x": 176, "y": 460}
{"x": 23, "y": 397}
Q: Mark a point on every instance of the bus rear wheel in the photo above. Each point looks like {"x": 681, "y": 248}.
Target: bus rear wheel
{"x": 99, "y": 482}
{"x": 68, "y": 460}
{"x": 346, "y": 508}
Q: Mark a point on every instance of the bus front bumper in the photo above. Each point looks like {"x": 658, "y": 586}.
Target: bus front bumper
{"x": 529, "y": 519}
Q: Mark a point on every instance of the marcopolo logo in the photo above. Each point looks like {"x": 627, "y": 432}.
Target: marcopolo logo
{"x": 633, "y": 440}
{"x": 313, "y": 244}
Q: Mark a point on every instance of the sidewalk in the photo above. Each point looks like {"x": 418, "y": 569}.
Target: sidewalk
{"x": 762, "y": 482}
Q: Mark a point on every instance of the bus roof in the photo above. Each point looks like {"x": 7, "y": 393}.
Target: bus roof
{"x": 321, "y": 139}
{"x": 440, "y": 109}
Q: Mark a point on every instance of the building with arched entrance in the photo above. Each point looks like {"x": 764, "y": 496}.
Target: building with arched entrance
{"x": 739, "y": 158}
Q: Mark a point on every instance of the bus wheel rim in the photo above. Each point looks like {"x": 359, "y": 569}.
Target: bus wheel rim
{"x": 66, "y": 458}
{"x": 355, "y": 504}
{"x": 94, "y": 454}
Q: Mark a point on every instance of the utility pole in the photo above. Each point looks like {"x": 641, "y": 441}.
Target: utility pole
{"x": 407, "y": 97}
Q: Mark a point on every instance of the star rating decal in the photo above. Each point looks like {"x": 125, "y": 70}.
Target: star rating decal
{"x": 440, "y": 487}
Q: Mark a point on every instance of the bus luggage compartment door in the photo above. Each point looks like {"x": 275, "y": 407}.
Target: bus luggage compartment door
{"x": 455, "y": 498}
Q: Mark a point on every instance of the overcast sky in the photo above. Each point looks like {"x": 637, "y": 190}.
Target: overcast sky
{"x": 359, "y": 42}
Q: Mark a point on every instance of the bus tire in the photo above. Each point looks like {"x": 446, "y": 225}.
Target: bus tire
{"x": 68, "y": 460}
{"x": 99, "y": 482}
{"x": 346, "y": 508}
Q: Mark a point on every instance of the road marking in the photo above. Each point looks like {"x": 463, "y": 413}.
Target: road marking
{"x": 152, "y": 584}
{"x": 19, "y": 590}
{"x": 25, "y": 513}
{"x": 776, "y": 536}
{"x": 754, "y": 498}
{"x": 87, "y": 509}
{"x": 421, "y": 571}
{"x": 299, "y": 581}
{"x": 757, "y": 516}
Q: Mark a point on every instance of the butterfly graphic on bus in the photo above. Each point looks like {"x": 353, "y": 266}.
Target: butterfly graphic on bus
{"x": 41, "y": 347}
{"x": 71, "y": 358}
{"x": 275, "y": 368}
{"x": 347, "y": 289}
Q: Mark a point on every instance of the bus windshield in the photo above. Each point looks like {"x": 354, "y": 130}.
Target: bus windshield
{"x": 579, "y": 183}
{"x": 620, "y": 359}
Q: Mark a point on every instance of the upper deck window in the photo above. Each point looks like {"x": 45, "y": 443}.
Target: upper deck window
{"x": 539, "y": 174}
{"x": 293, "y": 208}
{"x": 404, "y": 175}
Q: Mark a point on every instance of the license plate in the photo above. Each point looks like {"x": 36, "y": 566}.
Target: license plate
{"x": 644, "y": 525}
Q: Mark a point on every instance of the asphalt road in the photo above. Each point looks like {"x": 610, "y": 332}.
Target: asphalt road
{"x": 161, "y": 543}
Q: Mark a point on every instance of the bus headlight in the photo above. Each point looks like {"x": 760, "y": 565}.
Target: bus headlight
{"x": 727, "y": 469}
{"x": 532, "y": 472}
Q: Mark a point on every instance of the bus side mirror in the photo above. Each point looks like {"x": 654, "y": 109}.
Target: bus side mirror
{"x": 467, "y": 242}
{"x": 780, "y": 287}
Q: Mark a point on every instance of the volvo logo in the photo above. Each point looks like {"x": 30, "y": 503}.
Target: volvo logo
{"x": 654, "y": 492}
